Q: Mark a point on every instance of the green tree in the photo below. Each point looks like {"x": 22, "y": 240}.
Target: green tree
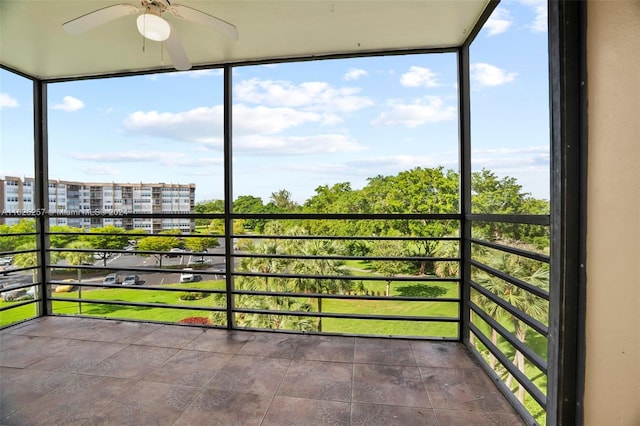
{"x": 494, "y": 195}
{"x": 10, "y": 241}
{"x": 263, "y": 263}
{"x": 157, "y": 243}
{"x": 200, "y": 244}
{"x": 388, "y": 268}
{"x": 249, "y": 204}
{"x": 283, "y": 201}
{"x": 429, "y": 191}
{"x": 208, "y": 206}
{"x": 68, "y": 234}
{"x": 104, "y": 243}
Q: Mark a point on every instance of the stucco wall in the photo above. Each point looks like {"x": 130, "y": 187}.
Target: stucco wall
{"x": 612, "y": 384}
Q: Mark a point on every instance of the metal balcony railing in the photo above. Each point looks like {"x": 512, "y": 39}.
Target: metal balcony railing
{"x": 297, "y": 281}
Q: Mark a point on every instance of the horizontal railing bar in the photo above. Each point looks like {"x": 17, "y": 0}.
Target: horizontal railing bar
{"x": 532, "y": 356}
{"x": 18, "y": 234}
{"x": 12, "y": 270}
{"x": 19, "y": 286}
{"x": 346, "y": 316}
{"x": 342, "y": 237}
{"x": 137, "y": 287}
{"x": 541, "y": 293}
{"x": 19, "y": 303}
{"x": 136, "y": 252}
{"x": 257, "y": 256}
{"x": 11, "y": 253}
{"x": 363, "y": 258}
{"x": 91, "y": 213}
{"x": 524, "y": 253}
{"x": 344, "y": 296}
{"x": 138, "y": 304}
{"x": 129, "y": 234}
{"x": 335, "y": 333}
{"x": 522, "y": 219}
{"x": 522, "y": 379}
{"x": 345, "y": 277}
{"x": 527, "y": 319}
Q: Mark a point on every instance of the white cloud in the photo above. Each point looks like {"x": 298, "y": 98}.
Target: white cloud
{"x": 205, "y": 124}
{"x": 170, "y": 159}
{"x": 265, "y": 120}
{"x": 99, "y": 170}
{"x": 6, "y": 101}
{"x": 69, "y": 104}
{"x": 490, "y": 75}
{"x": 539, "y": 23}
{"x": 355, "y": 73}
{"x": 313, "y": 95}
{"x": 499, "y": 22}
{"x": 429, "y": 109}
{"x": 296, "y": 145}
{"x": 196, "y": 125}
{"x": 513, "y": 161}
{"x": 540, "y": 149}
{"x": 419, "y": 77}
{"x": 393, "y": 163}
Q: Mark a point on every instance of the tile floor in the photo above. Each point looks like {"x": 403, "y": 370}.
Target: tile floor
{"x": 73, "y": 371}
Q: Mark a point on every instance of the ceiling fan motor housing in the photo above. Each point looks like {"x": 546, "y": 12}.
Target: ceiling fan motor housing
{"x": 160, "y": 4}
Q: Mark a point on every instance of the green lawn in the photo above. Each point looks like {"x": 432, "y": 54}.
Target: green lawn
{"x": 356, "y": 326}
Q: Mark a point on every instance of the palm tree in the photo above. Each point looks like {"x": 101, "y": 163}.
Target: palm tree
{"x": 264, "y": 265}
{"x": 524, "y": 269}
{"x": 318, "y": 268}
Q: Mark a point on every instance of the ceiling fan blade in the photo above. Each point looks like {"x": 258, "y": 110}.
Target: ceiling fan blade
{"x": 176, "y": 51}
{"x": 99, "y": 17}
{"x": 194, "y": 15}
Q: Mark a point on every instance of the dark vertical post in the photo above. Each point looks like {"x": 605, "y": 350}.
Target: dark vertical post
{"x": 41, "y": 198}
{"x": 464, "y": 107}
{"x": 228, "y": 193}
{"x": 567, "y": 68}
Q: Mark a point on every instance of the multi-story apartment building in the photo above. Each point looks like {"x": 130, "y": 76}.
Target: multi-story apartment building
{"x": 104, "y": 202}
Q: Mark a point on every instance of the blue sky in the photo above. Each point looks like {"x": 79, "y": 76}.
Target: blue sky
{"x": 300, "y": 125}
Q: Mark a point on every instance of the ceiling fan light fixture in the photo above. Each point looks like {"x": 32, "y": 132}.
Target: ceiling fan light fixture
{"x": 153, "y": 27}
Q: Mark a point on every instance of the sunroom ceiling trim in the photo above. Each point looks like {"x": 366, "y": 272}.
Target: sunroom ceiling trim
{"x": 33, "y": 42}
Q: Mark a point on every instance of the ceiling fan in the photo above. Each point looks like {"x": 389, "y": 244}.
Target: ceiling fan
{"x": 152, "y": 25}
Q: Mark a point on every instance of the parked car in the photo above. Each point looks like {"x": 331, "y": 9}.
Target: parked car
{"x": 175, "y": 252}
{"x": 111, "y": 279}
{"x": 4, "y": 261}
{"x": 17, "y": 295}
{"x": 187, "y": 277}
{"x": 131, "y": 280}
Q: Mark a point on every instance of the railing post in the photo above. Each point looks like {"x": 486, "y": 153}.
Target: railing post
{"x": 567, "y": 73}
{"x": 465, "y": 189}
{"x": 228, "y": 193}
{"x": 41, "y": 198}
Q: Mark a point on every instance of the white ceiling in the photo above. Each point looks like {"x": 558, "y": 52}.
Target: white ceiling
{"x": 33, "y": 42}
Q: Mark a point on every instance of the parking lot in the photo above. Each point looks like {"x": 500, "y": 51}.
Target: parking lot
{"x": 119, "y": 263}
